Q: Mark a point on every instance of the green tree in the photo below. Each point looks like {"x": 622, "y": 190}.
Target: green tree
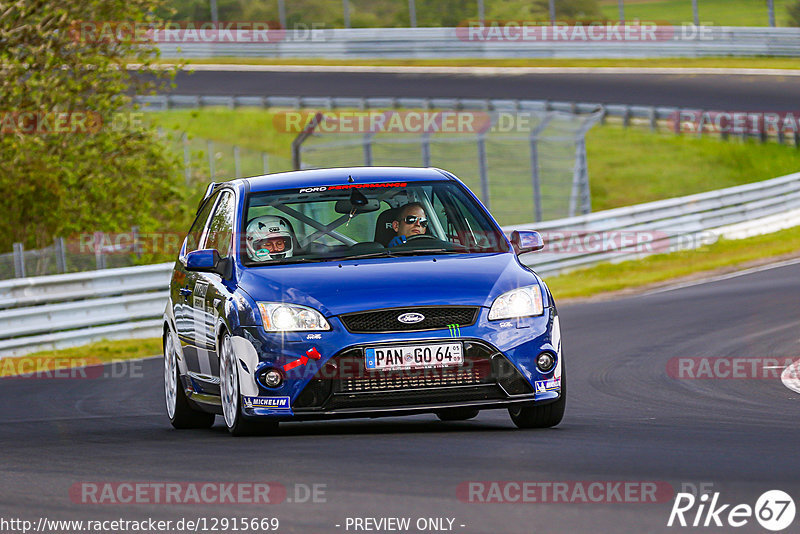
{"x": 794, "y": 13}
{"x": 103, "y": 169}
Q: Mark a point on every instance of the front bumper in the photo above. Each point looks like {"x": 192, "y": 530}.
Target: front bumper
{"x": 499, "y": 370}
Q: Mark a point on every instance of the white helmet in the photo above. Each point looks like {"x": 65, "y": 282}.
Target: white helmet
{"x": 268, "y": 238}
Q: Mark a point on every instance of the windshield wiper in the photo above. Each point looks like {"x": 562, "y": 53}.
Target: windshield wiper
{"x": 415, "y": 251}
{"x": 380, "y": 254}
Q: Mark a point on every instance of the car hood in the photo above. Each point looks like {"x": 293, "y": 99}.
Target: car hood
{"x": 341, "y": 287}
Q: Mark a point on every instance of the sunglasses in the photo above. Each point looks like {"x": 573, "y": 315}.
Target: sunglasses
{"x": 411, "y": 219}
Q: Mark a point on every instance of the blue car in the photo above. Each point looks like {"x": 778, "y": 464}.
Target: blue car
{"x": 356, "y": 292}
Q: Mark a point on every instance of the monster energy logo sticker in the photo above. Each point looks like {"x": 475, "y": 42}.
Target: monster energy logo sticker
{"x": 455, "y": 330}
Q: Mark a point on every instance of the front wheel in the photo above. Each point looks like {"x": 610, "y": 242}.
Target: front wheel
{"x": 545, "y": 416}
{"x": 238, "y": 424}
{"x": 180, "y": 412}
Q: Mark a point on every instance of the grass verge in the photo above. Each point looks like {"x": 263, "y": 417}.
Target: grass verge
{"x": 676, "y": 62}
{"x": 717, "y": 12}
{"x": 723, "y": 255}
{"x": 49, "y": 362}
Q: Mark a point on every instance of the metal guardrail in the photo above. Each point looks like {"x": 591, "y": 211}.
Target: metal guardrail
{"x": 72, "y": 309}
{"x": 654, "y": 117}
{"x": 446, "y": 43}
{"x": 662, "y": 226}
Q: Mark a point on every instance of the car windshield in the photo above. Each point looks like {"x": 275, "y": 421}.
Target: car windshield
{"x": 365, "y": 220}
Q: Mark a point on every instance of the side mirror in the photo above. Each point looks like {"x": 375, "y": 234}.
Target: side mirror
{"x": 526, "y": 241}
{"x": 208, "y": 261}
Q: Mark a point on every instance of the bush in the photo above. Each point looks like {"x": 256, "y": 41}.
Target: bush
{"x": 103, "y": 170}
{"x": 794, "y": 13}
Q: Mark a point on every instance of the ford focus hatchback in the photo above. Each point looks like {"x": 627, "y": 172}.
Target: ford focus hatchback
{"x": 356, "y": 292}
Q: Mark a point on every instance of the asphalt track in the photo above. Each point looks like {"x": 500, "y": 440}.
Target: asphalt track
{"x": 704, "y": 91}
{"x": 627, "y": 420}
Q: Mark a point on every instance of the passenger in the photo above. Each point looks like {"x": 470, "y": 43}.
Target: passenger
{"x": 269, "y": 238}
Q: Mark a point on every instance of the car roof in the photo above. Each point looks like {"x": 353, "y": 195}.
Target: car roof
{"x": 343, "y": 176}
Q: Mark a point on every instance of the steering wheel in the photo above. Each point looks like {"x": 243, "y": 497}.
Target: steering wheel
{"x": 420, "y": 236}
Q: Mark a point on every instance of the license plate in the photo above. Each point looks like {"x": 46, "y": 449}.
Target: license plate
{"x": 413, "y": 356}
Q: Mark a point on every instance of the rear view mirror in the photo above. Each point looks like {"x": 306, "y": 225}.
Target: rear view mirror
{"x": 526, "y": 241}
{"x": 346, "y": 206}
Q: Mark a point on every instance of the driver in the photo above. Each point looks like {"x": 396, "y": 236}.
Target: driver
{"x": 411, "y": 221}
{"x": 269, "y": 238}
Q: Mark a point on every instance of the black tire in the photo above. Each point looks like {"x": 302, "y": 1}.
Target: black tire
{"x": 184, "y": 415}
{"x": 545, "y": 416}
{"x": 457, "y": 414}
{"x": 231, "y": 398}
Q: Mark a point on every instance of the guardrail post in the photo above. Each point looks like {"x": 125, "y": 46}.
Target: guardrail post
{"x": 187, "y": 165}
{"x": 282, "y": 13}
{"x": 237, "y": 163}
{"x": 484, "y": 169}
{"x": 368, "y": 149}
{"x": 61, "y": 254}
{"x": 19, "y": 260}
{"x": 796, "y": 139}
{"x": 211, "y": 172}
{"x": 653, "y": 119}
{"x": 136, "y": 248}
{"x": 297, "y": 143}
{"x": 535, "y": 171}
{"x": 99, "y": 258}
{"x": 626, "y": 117}
{"x": 771, "y": 7}
{"x": 426, "y": 149}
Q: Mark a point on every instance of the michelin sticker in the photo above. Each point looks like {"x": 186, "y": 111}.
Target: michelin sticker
{"x": 274, "y": 403}
{"x": 547, "y": 385}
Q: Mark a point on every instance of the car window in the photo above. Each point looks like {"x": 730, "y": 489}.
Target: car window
{"x": 219, "y": 233}
{"x": 196, "y": 232}
{"x": 462, "y": 222}
{"x": 343, "y": 221}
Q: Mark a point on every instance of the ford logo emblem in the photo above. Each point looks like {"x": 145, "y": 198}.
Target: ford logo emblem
{"x": 411, "y": 318}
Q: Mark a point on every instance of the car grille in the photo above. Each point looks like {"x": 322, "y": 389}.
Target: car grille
{"x": 386, "y": 320}
{"x": 344, "y": 382}
{"x": 476, "y": 373}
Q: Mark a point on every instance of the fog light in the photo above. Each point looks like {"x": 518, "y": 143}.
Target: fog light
{"x": 271, "y": 378}
{"x": 545, "y": 362}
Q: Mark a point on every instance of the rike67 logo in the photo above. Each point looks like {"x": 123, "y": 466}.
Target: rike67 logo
{"x": 774, "y": 510}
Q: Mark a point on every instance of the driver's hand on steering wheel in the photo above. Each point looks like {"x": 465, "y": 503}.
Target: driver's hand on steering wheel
{"x": 397, "y": 240}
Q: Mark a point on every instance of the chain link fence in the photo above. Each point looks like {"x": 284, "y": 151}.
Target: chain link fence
{"x": 205, "y": 160}
{"x": 525, "y": 166}
{"x": 85, "y": 253}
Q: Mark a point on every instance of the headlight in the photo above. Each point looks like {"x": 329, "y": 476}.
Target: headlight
{"x": 282, "y": 317}
{"x": 520, "y": 302}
